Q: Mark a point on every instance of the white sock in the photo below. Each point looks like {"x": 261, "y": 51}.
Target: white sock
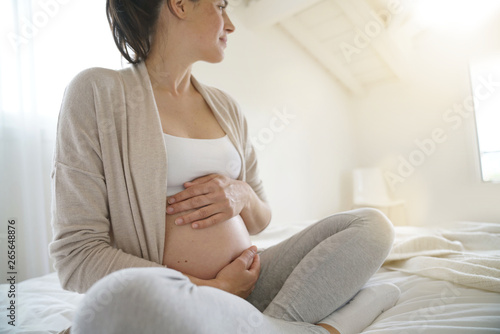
{"x": 366, "y": 305}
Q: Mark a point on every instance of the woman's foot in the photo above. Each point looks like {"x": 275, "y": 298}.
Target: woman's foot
{"x": 329, "y": 328}
{"x": 360, "y": 312}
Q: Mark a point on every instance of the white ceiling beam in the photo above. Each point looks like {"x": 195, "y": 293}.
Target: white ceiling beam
{"x": 296, "y": 29}
{"x": 264, "y": 13}
{"x": 363, "y": 16}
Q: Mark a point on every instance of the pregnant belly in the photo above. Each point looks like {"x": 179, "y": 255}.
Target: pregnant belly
{"x": 204, "y": 252}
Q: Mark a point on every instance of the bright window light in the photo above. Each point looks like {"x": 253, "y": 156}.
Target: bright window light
{"x": 485, "y": 79}
{"x": 458, "y": 15}
{"x": 44, "y": 45}
{"x": 68, "y": 44}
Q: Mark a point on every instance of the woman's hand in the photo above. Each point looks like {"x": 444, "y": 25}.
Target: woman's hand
{"x": 215, "y": 198}
{"x": 239, "y": 277}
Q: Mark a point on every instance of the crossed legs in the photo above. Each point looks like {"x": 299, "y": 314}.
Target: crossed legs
{"x": 303, "y": 280}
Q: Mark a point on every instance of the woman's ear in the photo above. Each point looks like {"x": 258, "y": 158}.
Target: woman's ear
{"x": 179, "y": 8}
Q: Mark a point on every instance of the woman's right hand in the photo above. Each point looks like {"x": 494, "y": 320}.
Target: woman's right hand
{"x": 239, "y": 276}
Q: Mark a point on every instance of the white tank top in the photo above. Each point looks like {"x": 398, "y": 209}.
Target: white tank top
{"x": 188, "y": 159}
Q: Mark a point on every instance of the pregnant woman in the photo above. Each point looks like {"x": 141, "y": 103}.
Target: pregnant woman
{"x": 156, "y": 191}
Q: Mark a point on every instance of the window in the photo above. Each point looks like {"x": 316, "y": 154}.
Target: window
{"x": 485, "y": 80}
{"x": 44, "y": 45}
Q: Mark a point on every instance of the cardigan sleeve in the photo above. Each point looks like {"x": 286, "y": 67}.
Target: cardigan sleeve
{"x": 251, "y": 164}
{"x": 82, "y": 243}
{"x": 252, "y": 175}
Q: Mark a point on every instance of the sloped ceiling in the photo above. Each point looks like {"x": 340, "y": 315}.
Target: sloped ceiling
{"x": 355, "y": 40}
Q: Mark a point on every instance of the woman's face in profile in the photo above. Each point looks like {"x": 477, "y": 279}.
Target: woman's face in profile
{"x": 210, "y": 28}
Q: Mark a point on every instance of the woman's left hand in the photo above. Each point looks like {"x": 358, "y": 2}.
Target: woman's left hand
{"x": 215, "y": 198}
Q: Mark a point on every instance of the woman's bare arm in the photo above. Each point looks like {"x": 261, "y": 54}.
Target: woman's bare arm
{"x": 256, "y": 213}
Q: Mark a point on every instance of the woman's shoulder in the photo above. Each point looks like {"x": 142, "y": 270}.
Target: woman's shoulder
{"x": 222, "y": 98}
{"x": 221, "y": 94}
{"x": 95, "y": 76}
{"x": 88, "y": 89}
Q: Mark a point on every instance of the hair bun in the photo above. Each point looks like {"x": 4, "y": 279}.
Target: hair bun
{"x": 132, "y": 22}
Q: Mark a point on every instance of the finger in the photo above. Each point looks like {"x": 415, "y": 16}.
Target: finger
{"x": 201, "y": 214}
{"x": 248, "y": 256}
{"x": 200, "y": 180}
{"x": 188, "y": 193}
{"x": 189, "y": 204}
{"x": 205, "y": 215}
{"x": 255, "y": 267}
{"x": 210, "y": 221}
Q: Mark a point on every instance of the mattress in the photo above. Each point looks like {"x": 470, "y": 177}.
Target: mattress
{"x": 430, "y": 301}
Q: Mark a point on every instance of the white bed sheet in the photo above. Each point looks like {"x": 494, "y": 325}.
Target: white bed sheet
{"x": 426, "y": 305}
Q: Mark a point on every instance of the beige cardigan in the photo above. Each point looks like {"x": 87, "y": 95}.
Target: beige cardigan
{"x": 109, "y": 173}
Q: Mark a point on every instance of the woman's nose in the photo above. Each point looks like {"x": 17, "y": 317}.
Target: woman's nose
{"x": 228, "y": 25}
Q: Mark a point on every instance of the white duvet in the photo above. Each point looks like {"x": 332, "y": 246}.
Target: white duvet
{"x": 427, "y": 304}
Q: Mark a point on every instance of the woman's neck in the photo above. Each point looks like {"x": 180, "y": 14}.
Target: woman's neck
{"x": 169, "y": 72}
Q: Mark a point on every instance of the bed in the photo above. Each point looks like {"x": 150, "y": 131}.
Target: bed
{"x": 449, "y": 278}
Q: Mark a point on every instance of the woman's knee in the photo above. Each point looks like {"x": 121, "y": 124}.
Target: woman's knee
{"x": 122, "y": 283}
{"x": 379, "y": 226}
{"x": 130, "y": 293}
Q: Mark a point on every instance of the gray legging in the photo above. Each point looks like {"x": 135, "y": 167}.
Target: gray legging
{"x": 303, "y": 279}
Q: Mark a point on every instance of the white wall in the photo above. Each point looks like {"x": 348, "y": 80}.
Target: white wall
{"x": 445, "y": 185}
{"x": 305, "y": 163}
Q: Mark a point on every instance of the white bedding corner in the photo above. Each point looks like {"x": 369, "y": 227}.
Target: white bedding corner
{"x": 42, "y": 306}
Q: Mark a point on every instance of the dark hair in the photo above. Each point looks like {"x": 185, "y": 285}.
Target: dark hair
{"x": 132, "y": 23}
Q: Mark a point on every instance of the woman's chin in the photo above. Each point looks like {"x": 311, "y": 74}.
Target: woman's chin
{"x": 214, "y": 61}
{"x": 215, "y": 57}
